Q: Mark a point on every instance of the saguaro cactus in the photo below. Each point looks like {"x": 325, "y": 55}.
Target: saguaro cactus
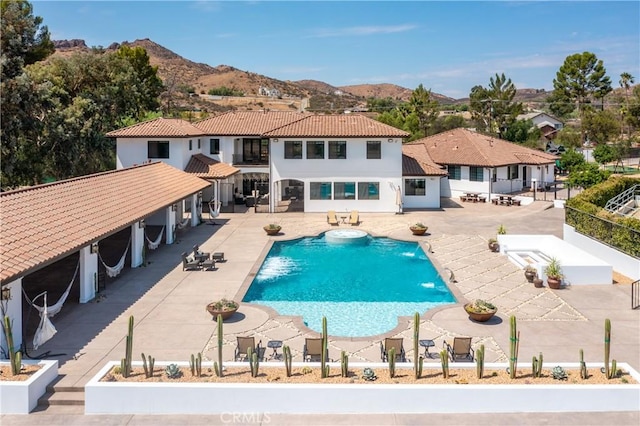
{"x": 15, "y": 357}
{"x": 609, "y": 371}
{"x": 324, "y": 373}
{"x": 286, "y": 355}
{"x": 254, "y": 362}
{"x": 418, "y": 361}
{"x": 444, "y": 361}
{"x": 392, "y": 362}
{"x": 217, "y": 365}
{"x": 125, "y": 363}
{"x": 480, "y": 362}
{"x": 514, "y": 343}
{"x": 148, "y": 365}
{"x": 196, "y": 365}
{"x": 344, "y": 364}
{"x": 536, "y": 366}
{"x": 584, "y": 374}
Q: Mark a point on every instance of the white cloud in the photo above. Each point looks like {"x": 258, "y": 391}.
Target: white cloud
{"x": 362, "y": 30}
{"x": 206, "y": 6}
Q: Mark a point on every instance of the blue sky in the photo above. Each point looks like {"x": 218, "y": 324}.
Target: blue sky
{"x": 449, "y": 47}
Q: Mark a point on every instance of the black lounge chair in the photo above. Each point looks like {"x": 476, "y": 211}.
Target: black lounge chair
{"x": 392, "y": 342}
{"x": 243, "y": 346}
{"x": 461, "y": 349}
{"x": 190, "y": 264}
{"x": 312, "y": 350}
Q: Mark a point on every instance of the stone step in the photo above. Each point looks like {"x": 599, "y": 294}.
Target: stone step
{"x": 56, "y": 396}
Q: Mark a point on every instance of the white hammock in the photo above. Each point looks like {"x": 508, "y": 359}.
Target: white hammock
{"x": 214, "y": 212}
{"x": 183, "y": 224}
{"x": 113, "y": 271}
{"x": 46, "y": 329}
{"x": 154, "y": 244}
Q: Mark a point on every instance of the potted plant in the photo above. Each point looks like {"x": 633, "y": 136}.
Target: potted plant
{"x": 530, "y": 273}
{"x": 493, "y": 245}
{"x": 272, "y": 229}
{"x": 480, "y": 310}
{"x": 418, "y": 228}
{"x": 554, "y": 273}
{"x": 502, "y": 230}
{"x": 224, "y": 307}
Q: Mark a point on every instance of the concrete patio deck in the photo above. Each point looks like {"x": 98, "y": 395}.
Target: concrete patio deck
{"x": 171, "y": 322}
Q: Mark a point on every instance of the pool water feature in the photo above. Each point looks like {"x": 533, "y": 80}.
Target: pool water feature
{"x": 361, "y": 288}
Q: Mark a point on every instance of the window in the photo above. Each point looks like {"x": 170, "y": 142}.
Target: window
{"x": 415, "y": 187}
{"x": 344, "y": 191}
{"x": 320, "y": 190}
{"x": 454, "y": 172}
{"x": 158, "y": 149}
{"x": 315, "y": 150}
{"x": 337, "y": 150}
{"x": 293, "y": 150}
{"x": 198, "y": 143}
{"x": 214, "y": 146}
{"x": 513, "y": 172}
{"x": 368, "y": 191}
{"x": 190, "y": 144}
{"x": 374, "y": 150}
{"x": 476, "y": 174}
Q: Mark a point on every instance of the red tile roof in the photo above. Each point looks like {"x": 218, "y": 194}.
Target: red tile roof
{"x": 247, "y": 123}
{"x": 416, "y": 162}
{"x": 159, "y": 127}
{"x": 206, "y": 167}
{"x": 336, "y": 126}
{"x": 42, "y": 224}
{"x": 466, "y": 147}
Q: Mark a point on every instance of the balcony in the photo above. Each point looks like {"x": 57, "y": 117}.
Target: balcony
{"x": 244, "y": 160}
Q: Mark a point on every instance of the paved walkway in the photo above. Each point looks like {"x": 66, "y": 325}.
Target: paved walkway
{"x": 171, "y": 322}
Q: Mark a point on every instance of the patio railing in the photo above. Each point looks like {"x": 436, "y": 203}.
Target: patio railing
{"x": 635, "y": 294}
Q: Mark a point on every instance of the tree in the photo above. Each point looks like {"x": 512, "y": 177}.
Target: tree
{"x": 580, "y": 78}
{"x": 480, "y": 108}
{"x": 568, "y": 137}
{"x": 570, "y": 160}
{"x": 587, "y": 175}
{"x": 603, "y": 154}
{"x": 601, "y": 126}
{"x": 497, "y": 103}
{"x": 424, "y": 107}
{"x": 147, "y": 82}
{"x": 522, "y": 131}
{"x": 626, "y": 80}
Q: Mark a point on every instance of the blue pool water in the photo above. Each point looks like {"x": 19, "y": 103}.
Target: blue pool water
{"x": 360, "y": 288}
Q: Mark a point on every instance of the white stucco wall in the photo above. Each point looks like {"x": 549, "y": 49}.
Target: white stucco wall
{"x": 131, "y": 151}
{"x": 387, "y": 171}
{"x": 431, "y": 199}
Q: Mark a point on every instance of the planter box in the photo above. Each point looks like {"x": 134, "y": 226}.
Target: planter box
{"x": 210, "y": 398}
{"x": 22, "y": 397}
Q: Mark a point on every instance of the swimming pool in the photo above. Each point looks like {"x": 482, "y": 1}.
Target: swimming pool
{"x": 361, "y": 288}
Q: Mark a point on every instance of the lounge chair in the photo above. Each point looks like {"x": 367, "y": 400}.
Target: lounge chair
{"x": 461, "y": 349}
{"x": 243, "y": 346}
{"x": 190, "y": 263}
{"x": 332, "y": 219}
{"x": 354, "y": 217}
{"x": 313, "y": 350}
{"x": 392, "y": 342}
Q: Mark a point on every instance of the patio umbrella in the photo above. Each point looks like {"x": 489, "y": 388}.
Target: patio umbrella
{"x": 399, "y": 199}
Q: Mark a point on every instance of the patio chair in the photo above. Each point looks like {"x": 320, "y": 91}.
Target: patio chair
{"x": 354, "y": 217}
{"x": 200, "y": 255}
{"x": 312, "y": 350}
{"x": 392, "y": 342}
{"x": 461, "y": 349}
{"x": 190, "y": 263}
{"x": 332, "y": 219}
{"x": 243, "y": 346}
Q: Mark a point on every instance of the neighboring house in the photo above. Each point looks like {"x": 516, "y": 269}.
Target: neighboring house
{"x": 548, "y": 124}
{"x": 484, "y": 164}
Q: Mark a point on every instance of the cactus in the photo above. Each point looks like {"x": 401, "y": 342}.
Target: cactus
{"x": 254, "y": 362}
{"x": 514, "y": 345}
{"x": 217, "y": 366}
{"x": 148, "y": 365}
{"x": 195, "y": 363}
{"x": 480, "y": 362}
{"x": 369, "y": 375}
{"x": 609, "y": 371}
{"x": 444, "y": 361}
{"x": 344, "y": 364}
{"x": 417, "y": 361}
{"x": 125, "y": 363}
{"x": 15, "y": 357}
{"x": 324, "y": 372}
{"x": 286, "y": 355}
{"x": 536, "y": 366}
{"x": 391, "y": 358}
{"x": 173, "y": 371}
{"x": 583, "y": 366}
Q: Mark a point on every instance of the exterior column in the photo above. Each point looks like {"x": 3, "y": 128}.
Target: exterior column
{"x": 12, "y": 307}
{"x": 194, "y": 210}
{"x": 170, "y": 223}
{"x": 88, "y": 274}
{"x": 137, "y": 243}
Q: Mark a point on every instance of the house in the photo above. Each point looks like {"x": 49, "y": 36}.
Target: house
{"x": 548, "y": 125}
{"x": 483, "y": 164}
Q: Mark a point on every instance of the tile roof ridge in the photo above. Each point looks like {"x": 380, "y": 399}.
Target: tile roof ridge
{"x": 77, "y": 178}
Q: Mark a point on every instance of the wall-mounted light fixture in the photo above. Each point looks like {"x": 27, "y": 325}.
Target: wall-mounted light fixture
{"x": 94, "y": 248}
{"x": 275, "y": 140}
{"x": 6, "y": 293}
{"x": 174, "y": 207}
{"x": 141, "y": 224}
{"x": 390, "y": 140}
